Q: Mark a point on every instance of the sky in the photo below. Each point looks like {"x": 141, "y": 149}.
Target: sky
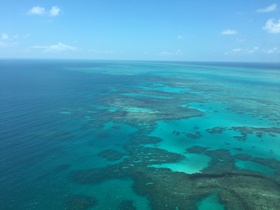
{"x": 175, "y": 30}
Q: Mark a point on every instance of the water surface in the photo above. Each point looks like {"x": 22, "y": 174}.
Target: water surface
{"x": 142, "y": 135}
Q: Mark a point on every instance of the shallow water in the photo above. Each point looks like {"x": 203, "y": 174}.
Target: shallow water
{"x": 141, "y": 135}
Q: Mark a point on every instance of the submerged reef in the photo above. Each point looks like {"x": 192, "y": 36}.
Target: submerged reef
{"x": 246, "y": 130}
{"x": 235, "y": 188}
{"x": 80, "y": 202}
{"x": 145, "y": 110}
{"x": 268, "y": 162}
{"x": 139, "y": 158}
{"x": 161, "y": 98}
{"x": 263, "y": 108}
{"x": 194, "y": 135}
{"x": 243, "y": 156}
{"x": 127, "y": 205}
{"x": 111, "y": 155}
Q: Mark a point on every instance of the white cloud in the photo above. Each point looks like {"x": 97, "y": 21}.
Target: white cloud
{"x": 272, "y": 27}
{"x": 7, "y": 40}
{"x": 229, "y": 32}
{"x": 59, "y": 47}
{"x": 105, "y": 52}
{"x": 165, "y": 53}
{"x": 253, "y": 50}
{"x": 180, "y": 37}
{"x": 236, "y": 50}
{"x": 273, "y": 50}
{"x": 179, "y": 52}
{"x": 4, "y": 36}
{"x": 54, "y": 11}
{"x": 2, "y": 44}
{"x": 37, "y": 10}
{"x": 26, "y": 36}
{"x": 7, "y": 44}
{"x": 270, "y": 8}
{"x": 171, "y": 53}
{"x": 102, "y": 51}
{"x": 256, "y": 49}
{"x": 233, "y": 51}
{"x": 239, "y": 40}
{"x": 16, "y": 36}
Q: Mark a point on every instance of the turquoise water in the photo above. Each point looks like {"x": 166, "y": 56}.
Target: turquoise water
{"x": 139, "y": 135}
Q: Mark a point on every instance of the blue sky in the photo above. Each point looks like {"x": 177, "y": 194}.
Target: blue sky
{"x": 198, "y": 30}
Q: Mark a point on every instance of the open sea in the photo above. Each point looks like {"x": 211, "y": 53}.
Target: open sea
{"x": 132, "y": 135}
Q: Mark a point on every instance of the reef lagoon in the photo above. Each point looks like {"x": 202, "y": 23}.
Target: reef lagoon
{"x": 127, "y": 135}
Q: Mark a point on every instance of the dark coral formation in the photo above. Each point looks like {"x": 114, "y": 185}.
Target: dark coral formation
{"x": 246, "y": 130}
{"x": 216, "y": 130}
{"x": 221, "y": 159}
{"x": 243, "y": 156}
{"x": 265, "y": 108}
{"x": 268, "y": 162}
{"x": 139, "y": 158}
{"x": 127, "y": 205}
{"x": 236, "y": 189}
{"x": 144, "y": 111}
{"x": 116, "y": 127}
{"x": 80, "y": 202}
{"x": 197, "y": 149}
{"x": 259, "y": 131}
{"x": 194, "y": 135}
{"x": 176, "y": 133}
{"x": 157, "y": 110}
{"x": 135, "y": 140}
{"x": 111, "y": 155}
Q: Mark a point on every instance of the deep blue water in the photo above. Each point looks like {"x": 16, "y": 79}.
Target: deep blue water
{"x": 144, "y": 135}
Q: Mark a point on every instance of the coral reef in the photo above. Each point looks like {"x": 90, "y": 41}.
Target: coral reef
{"x": 246, "y": 130}
{"x": 111, "y": 155}
{"x": 194, "y": 135}
{"x": 126, "y": 205}
{"x": 235, "y": 188}
{"x": 80, "y": 202}
{"x": 243, "y": 156}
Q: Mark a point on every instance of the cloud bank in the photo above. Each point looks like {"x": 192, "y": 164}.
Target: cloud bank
{"x": 270, "y": 8}
{"x": 180, "y": 37}
{"x": 229, "y": 32}
{"x": 272, "y": 26}
{"x": 4, "y": 36}
{"x": 54, "y": 11}
{"x": 59, "y": 47}
{"x": 38, "y": 10}
{"x": 7, "y": 40}
{"x": 255, "y": 49}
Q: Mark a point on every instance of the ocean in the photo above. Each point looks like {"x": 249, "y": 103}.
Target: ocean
{"x": 145, "y": 135}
